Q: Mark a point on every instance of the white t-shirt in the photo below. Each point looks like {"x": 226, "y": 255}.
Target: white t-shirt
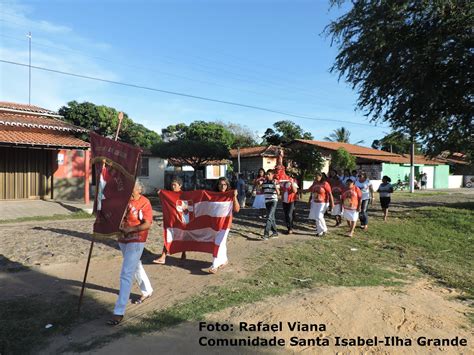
{"x": 364, "y": 188}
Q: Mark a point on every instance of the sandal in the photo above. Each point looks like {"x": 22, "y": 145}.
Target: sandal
{"x": 213, "y": 270}
{"x": 115, "y": 321}
{"x": 141, "y": 299}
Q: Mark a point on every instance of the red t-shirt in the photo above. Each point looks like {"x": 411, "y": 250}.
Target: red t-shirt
{"x": 287, "y": 191}
{"x": 337, "y": 190}
{"x": 351, "y": 198}
{"x": 138, "y": 211}
{"x": 321, "y": 191}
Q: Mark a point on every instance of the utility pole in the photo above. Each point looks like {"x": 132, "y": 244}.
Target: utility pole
{"x": 238, "y": 159}
{"x": 29, "y": 68}
{"x": 412, "y": 164}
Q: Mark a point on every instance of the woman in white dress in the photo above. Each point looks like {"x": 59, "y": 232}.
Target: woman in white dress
{"x": 259, "y": 201}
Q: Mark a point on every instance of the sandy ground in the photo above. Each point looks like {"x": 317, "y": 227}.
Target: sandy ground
{"x": 416, "y": 310}
{"x": 55, "y": 252}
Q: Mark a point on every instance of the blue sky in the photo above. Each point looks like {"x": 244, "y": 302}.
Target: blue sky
{"x": 262, "y": 53}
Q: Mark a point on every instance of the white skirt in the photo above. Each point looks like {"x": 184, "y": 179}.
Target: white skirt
{"x": 317, "y": 209}
{"x": 336, "y": 210}
{"x": 351, "y": 215}
{"x": 259, "y": 202}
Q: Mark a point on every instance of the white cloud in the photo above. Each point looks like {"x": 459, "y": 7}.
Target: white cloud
{"x": 54, "y": 46}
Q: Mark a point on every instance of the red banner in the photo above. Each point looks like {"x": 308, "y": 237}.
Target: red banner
{"x": 115, "y": 168}
{"x": 196, "y": 220}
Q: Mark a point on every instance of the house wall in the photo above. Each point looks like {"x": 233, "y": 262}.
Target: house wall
{"x": 69, "y": 173}
{"x": 156, "y": 175}
{"x": 252, "y": 164}
{"x": 214, "y": 172}
{"x": 455, "y": 181}
{"x": 395, "y": 171}
{"x": 441, "y": 176}
{"x": 373, "y": 171}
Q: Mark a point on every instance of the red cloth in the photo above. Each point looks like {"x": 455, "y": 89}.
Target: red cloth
{"x": 321, "y": 191}
{"x": 287, "y": 188}
{"x": 351, "y": 198}
{"x": 196, "y": 220}
{"x": 115, "y": 181}
{"x": 138, "y": 211}
{"x": 337, "y": 189}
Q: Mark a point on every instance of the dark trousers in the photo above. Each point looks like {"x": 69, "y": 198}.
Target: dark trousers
{"x": 364, "y": 215}
{"x": 270, "y": 226}
{"x": 288, "y": 211}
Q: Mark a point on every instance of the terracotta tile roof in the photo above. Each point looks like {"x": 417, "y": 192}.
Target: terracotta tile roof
{"x": 177, "y": 162}
{"x": 260, "y": 151}
{"x": 32, "y": 125}
{"x": 369, "y": 153}
{"x": 39, "y": 137}
{"x": 24, "y": 107}
{"x": 34, "y": 121}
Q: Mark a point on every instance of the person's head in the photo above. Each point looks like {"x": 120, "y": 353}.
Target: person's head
{"x": 386, "y": 179}
{"x": 138, "y": 189}
{"x": 261, "y": 172}
{"x": 241, "y": 176}
{"x": 222, "y": 184}
{"x": 325, "y": 177}
{"x": 270, "y": 174}
{"x": 347, "y": 172}
{"x": 332, "y": 173}
{"x": 176, "y": 184}
{"x": 350, "y": 182}
{"x": 318, "y": 176}
{"x": 354, "y": 172}
{"x": 362, "y": 176}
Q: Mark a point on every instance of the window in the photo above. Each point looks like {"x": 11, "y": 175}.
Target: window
{"x": 144, "y": 168}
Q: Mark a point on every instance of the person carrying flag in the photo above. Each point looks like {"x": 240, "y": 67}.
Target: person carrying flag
{"x": 135, "y": 225}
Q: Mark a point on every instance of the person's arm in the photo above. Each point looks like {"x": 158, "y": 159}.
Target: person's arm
{"x": 236, "y": 204}
{"x": 277, "y": 188}
{"x": 294, "y": 188}
{"x": 331, "y": 198}
{"x": 371, "y": 191}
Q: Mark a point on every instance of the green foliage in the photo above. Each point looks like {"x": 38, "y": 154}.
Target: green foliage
{"x": 242, "y": 135}
{"x": 396, "y": 142}
{"x": 104, "y": 121}
{"x": 232, "y": 135}
{"x": 284, "y": 132}
{"x": 341, "y": 159}
{"x": 307, "y": 160}
{"x": 342, "y": 135}
{"x": 411, "y": 64}
{"x": 191, "y": 152}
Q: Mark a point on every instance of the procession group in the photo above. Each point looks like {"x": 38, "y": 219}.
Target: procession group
{"x": 346, "y": 197}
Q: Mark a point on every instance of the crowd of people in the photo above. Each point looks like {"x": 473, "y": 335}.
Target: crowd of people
{"x": 346, "y": 196}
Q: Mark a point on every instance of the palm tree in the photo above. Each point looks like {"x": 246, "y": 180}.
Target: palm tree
{"x": 341, "y": 135}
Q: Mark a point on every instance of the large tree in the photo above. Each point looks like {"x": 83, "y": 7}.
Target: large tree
{"x": 395, "y": 142}
{"x": 342, "y": 135}
{"x": 341, "y": 159}
{"x": 104, "y": 120}
{"x": 195, "y": 145}
{"x": 284, "y": 132}
{"x": 242, "y": 135}
{"x": 306, "y": 161}
{"x": 411, "y": 64}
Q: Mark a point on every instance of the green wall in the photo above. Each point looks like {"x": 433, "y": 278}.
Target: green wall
{"x": 441, "y": 176}
{"x": 395, "y": 171}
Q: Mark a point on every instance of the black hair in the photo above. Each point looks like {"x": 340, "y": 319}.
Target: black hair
{"x": 385, "y": 177}
{"x": 177, "y": 180}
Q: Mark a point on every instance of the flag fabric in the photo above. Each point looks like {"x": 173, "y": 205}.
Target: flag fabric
{"x": 115, "y": 167}
{"x": 196, "y": 220}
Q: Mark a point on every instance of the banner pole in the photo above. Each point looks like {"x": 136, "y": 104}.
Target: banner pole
{"x": 81, "y": 296}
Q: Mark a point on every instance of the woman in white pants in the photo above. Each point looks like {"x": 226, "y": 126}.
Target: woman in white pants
{"x": 135, "y": 226}
{"x": 321, "y": 200}
{"x": 220, "y": 260}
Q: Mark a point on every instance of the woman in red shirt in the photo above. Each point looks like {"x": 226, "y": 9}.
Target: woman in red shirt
{"x": 259, "y": 201}
{"x": 321, "y": 200}
{"x": 351, "y": 202}
{"x": 135, "y": 226}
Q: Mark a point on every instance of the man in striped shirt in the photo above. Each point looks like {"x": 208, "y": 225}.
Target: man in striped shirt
{"x": 271, "y": 190}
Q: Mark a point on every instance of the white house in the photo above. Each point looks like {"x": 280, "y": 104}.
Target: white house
{"x": 152, "y": 172}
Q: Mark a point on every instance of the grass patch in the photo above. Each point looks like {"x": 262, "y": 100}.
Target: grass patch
{"x": 23, "y": 321}
{"x": 434, "y": 241}
{"x": 418, "y": 194}
{"x": 56, "y": 217}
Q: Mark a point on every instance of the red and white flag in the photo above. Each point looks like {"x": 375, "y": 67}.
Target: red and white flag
{"x": 196, "y": 220}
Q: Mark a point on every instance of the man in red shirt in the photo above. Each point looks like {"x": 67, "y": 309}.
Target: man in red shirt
{"x": 135, "y": 226}
{"x": 289, "y": 190}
